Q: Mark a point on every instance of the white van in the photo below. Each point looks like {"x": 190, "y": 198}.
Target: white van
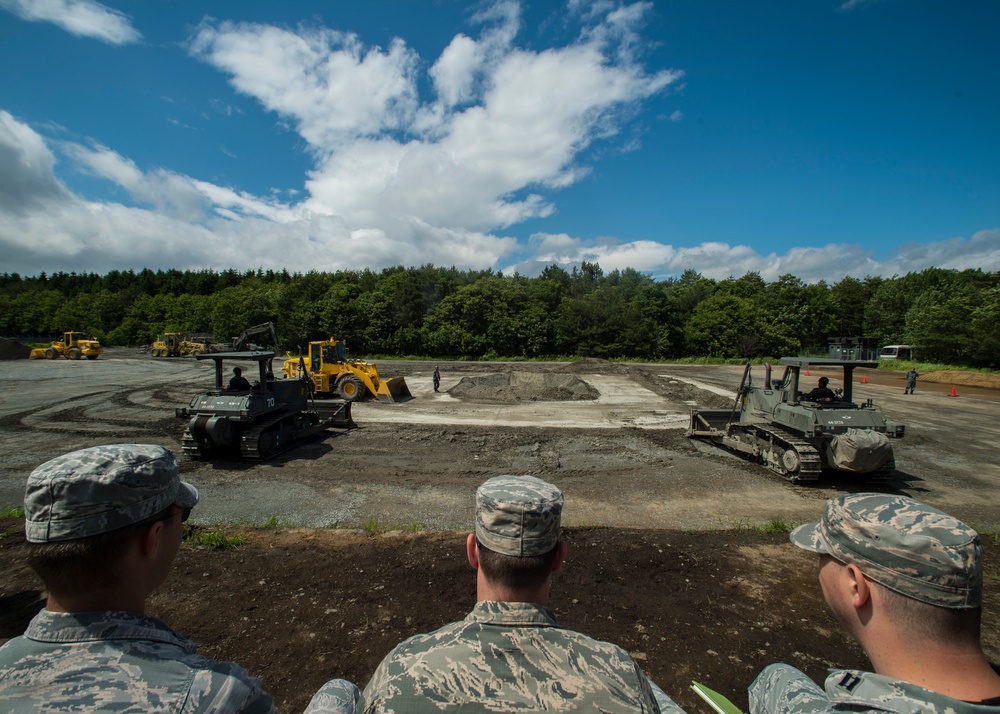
{"x": 896, "y": 352}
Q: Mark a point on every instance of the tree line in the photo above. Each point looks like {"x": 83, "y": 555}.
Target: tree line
{"x": 949, "y": 316}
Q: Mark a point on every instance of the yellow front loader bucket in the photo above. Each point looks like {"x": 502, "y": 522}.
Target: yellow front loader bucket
{"x": 393, "y": 390}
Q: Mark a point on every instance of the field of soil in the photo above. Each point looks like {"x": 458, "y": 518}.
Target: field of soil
{"x": 355, "y": 540}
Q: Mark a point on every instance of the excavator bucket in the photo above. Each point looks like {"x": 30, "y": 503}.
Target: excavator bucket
{"x": 393, "y": 390}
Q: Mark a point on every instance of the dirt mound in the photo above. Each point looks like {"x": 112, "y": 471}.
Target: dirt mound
{"x": 513, "y": 387}
{"x": 967, "y": 379}
{"x": 10, "y": 349}
{"x": 594, "y": 365}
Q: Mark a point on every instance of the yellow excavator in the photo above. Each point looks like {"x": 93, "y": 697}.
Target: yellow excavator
{"x": 73, "y": 345}
{"x": 333, "y": 373}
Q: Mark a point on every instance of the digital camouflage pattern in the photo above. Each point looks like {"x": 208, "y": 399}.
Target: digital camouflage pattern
{"x": 118, "y": 662}
{"x": 101, "y": 489}
{"x": 338, "y": 696}
{"x": 906, "y": 546}
{"x": 507, "y": 657}
{"x": 781, "y": 688}
{"x": 518, "y": 515}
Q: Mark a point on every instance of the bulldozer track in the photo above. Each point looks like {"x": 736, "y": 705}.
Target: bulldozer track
{"x": 766, "y": 439}
{"x": 284, "y": 432}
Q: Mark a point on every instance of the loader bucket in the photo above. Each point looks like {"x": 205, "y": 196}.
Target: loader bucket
{"x": 393, "y": 390}
{"x": 37, "y": 353}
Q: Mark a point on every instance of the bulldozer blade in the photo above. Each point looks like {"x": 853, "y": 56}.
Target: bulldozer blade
{"x": 393, "y": 390}
{"x": 710, "y": 422}
{"x": 335, "y": 413}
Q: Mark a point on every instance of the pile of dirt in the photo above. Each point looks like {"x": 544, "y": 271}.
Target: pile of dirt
{"x": 513, "y": 387}
{"x": 11, "y": 349}
{"x": 595, "y": 365}
{"x": 966, "y": 379}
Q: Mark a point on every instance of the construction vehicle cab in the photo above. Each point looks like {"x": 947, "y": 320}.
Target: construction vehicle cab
{"x": 333, "y": 373}
{"x": 73, "y": 345}
{"x": 776, "y": 424}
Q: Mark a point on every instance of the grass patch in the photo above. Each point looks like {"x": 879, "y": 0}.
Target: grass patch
{"x": 374, "y": 526}
{"x": 215, "y": 539}
{"x": 12, "y": 511}
{"x": 778, "y": 524}
{"x": 993, "y": 535}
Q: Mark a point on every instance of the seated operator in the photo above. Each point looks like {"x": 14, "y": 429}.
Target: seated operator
{"x": 238, "y": 383}
{"x": 822, "y": 391}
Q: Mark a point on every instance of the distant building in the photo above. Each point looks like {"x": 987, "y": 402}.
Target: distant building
{"x": 852, "y": 348}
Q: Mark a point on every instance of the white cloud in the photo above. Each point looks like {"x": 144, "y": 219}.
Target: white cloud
{"x": 503, "y": 120}
{"x": 84, "y": 18}
{"x": 27, "y": 180}
{"x": 332, "y": 87}
{"x": 719, "y": 260}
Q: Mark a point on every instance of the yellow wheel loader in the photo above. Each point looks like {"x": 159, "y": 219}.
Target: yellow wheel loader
{"x": 73, "y": 345}
{"x": 333, "y": 374}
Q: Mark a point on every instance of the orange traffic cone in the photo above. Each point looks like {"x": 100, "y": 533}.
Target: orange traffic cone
{"x": 953, "y": 394}
{"x": 807, "y": 371}
{"x": 864, "y": 379}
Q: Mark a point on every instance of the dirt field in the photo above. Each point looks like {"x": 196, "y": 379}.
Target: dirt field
{"x": 666, "y": 557}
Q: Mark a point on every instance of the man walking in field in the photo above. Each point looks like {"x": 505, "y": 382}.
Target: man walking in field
{"x": 911, "y": 381}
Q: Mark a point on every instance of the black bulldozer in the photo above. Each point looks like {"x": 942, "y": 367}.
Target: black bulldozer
{"x": 270, "y": 417}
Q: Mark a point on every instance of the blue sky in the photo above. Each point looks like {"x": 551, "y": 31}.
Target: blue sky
{"x": 821, "y": 138}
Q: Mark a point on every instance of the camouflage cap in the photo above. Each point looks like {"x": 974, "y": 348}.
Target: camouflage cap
{"x": 909, "y": 547}
{"x": 101, "y": 489}
{"x": 518, "y": 515}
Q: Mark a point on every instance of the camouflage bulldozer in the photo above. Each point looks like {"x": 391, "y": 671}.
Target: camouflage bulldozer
{"x": 797, "y": 435}
{"x": 270, "y": 417}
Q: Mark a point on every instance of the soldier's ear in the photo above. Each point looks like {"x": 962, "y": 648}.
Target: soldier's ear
{"x": 561, "y": 550}
{"x": 472, "y": 551}
{"x": 860, "y": 588}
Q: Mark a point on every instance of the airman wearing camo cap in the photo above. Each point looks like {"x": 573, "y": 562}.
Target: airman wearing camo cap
{"x": 509, "y": 653}
{"x": 518, "y": 515}
{"x": 101, "y": 489}
{"x": 911, "y": 548}
{"x": 906, "y": 581}
{"x": 103, "y": 526}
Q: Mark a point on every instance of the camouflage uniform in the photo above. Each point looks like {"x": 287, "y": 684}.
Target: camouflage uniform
{"x": 112, "y": 661}
{"x": 507, "y": 657}
{"x": 118, "y": 662}
{"x": 338, "y": 696}
{"x": 908, "y": 547}
{"x": 782, "y": 688}
{"x": 511, "y": 656}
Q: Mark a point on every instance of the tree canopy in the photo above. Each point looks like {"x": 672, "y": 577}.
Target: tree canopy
{"x": 948, "y": 316}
